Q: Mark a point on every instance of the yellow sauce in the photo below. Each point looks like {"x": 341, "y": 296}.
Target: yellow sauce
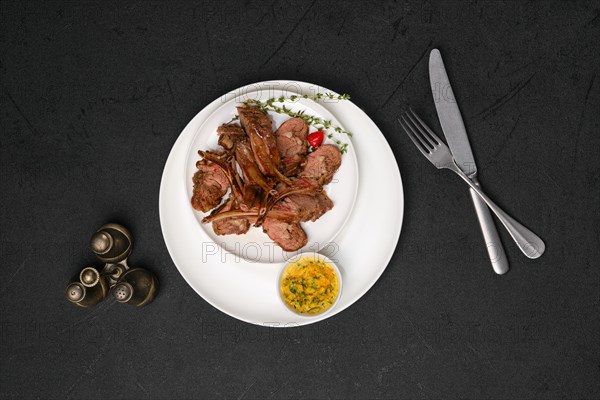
{"x": 309, "y": 285}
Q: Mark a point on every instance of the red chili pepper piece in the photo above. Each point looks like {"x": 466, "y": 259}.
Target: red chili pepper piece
{"x": 316, "y": 138}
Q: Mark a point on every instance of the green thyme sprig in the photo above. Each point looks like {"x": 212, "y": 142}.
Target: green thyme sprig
{"x": 233, "y": 119}
{"x": 318, "y": 123}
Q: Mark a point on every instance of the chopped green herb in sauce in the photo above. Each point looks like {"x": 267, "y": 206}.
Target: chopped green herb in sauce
{"x": 309, "y": 285}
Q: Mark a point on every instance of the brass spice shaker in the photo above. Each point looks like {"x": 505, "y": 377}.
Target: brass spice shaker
{"x": 112, "y": 244}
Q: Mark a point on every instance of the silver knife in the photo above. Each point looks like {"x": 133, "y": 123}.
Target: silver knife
{"x": 456, "y": 136}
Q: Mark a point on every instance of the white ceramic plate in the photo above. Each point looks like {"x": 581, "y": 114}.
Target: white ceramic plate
{"x": 246, "y": 290}
{"x": 255, "y": 246}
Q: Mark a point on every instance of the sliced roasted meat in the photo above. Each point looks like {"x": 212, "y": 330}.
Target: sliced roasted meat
{"x": 227, "y": 164}
{"x": 322, "y": 163}
{"x": 297, "y": 186}
{"x": 229, "y": 135}
{"x": 274, "y": 182}
{"x": 307, "y": 207}
{"x": 289, "y": 236}
{"x": 251, "y": 215}
{"x": 292, "y": 143}
{"x": 250, "y": 170}
{"x": 253, "y": 197}
{"x": 258, "y": 126}
{"x": 234, "y": 139}
{"x": 210, "y": 185}
{"x": 231, "y": 225}
{"x": 304, "y": 201}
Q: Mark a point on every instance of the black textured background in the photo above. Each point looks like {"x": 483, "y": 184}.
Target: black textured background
{"x": 94, "y": 95}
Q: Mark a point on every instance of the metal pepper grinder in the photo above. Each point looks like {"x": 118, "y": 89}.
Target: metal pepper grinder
{"x": 112, "y": 244}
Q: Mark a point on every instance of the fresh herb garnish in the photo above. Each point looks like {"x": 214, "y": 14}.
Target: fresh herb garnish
{"x": 318, "y": 123}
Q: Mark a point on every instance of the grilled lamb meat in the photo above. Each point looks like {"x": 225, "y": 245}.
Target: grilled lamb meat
{"x": 210, "y": 185}
{"x": 297, "y": 186}
{"x": 253, "y": 197}
{"x": 230, "y": 226}
{"x": 229, "y": 135}
{"x": 227, "y": 165}
{"x": 302, "y": 210}
{"x": 292, "y": 143}
{"x": 234, "y": 139}
{"x": 306, "y": 207}
{"x": 251, "y": 215}
{"x": 322, "y": 163}
{"x": 247, "y": 162}
{"x": 260, "y": 131}
{"x": 261, "y": 195}
{"x": 289, "y": 236}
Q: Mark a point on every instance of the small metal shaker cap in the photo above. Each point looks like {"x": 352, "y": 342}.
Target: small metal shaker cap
{"x": 101, "y": 242}
{"x": 136, "y": 287}
{"x": 88, "y": 288}
{"x": 75, "y": 292}
{"x": 112, "y": 243}
{"x": 89, "y": 277}
{"x": 123, "y": 292}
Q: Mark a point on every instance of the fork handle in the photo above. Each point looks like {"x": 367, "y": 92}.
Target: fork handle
{"x": 490, "y": 233}
{"x": 530, "y": 244}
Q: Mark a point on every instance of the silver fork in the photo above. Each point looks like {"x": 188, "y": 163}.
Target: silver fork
{"x": 440, "y": 156}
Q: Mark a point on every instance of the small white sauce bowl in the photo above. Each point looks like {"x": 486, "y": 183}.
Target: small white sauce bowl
{"x": 322, "y": 258}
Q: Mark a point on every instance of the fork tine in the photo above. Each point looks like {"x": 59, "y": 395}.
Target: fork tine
{"x": 413, "y": 125}
{"x": 432, "y": 135}
{"x": 422, "y": 132}
{"x": 420, "y": 145}
{"x": 409, "y": 126}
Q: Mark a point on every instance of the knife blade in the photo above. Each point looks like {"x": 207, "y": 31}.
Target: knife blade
{"x": 458, "y": 141}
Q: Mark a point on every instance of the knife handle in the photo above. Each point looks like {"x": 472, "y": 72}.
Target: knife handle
{"x": 490, "y": 233}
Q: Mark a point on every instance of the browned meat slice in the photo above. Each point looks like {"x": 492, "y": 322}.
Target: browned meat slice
{"x": 235, "y": 141}
{"x": 260, "y": 131}
{"x": 296, "y": 186}
{"x": 307, "y": 207}
{"x": 253, "y": 196}
{"x": 288, "y": 236}
{"x": 230, "y": 226}
{"x": 227, "y": 164}
{"x": 210, "y": 185}
{"x": 292, "y": 143}
{"x": 261, "y": 195}
{"x": 322, "y": 163}
{"x": 229, "y": 135}
{"x": 251, "y": 215}
{"x": 246, "y": 161}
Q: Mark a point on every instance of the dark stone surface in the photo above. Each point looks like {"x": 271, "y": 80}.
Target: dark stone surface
{"x": 94, "y": 95}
